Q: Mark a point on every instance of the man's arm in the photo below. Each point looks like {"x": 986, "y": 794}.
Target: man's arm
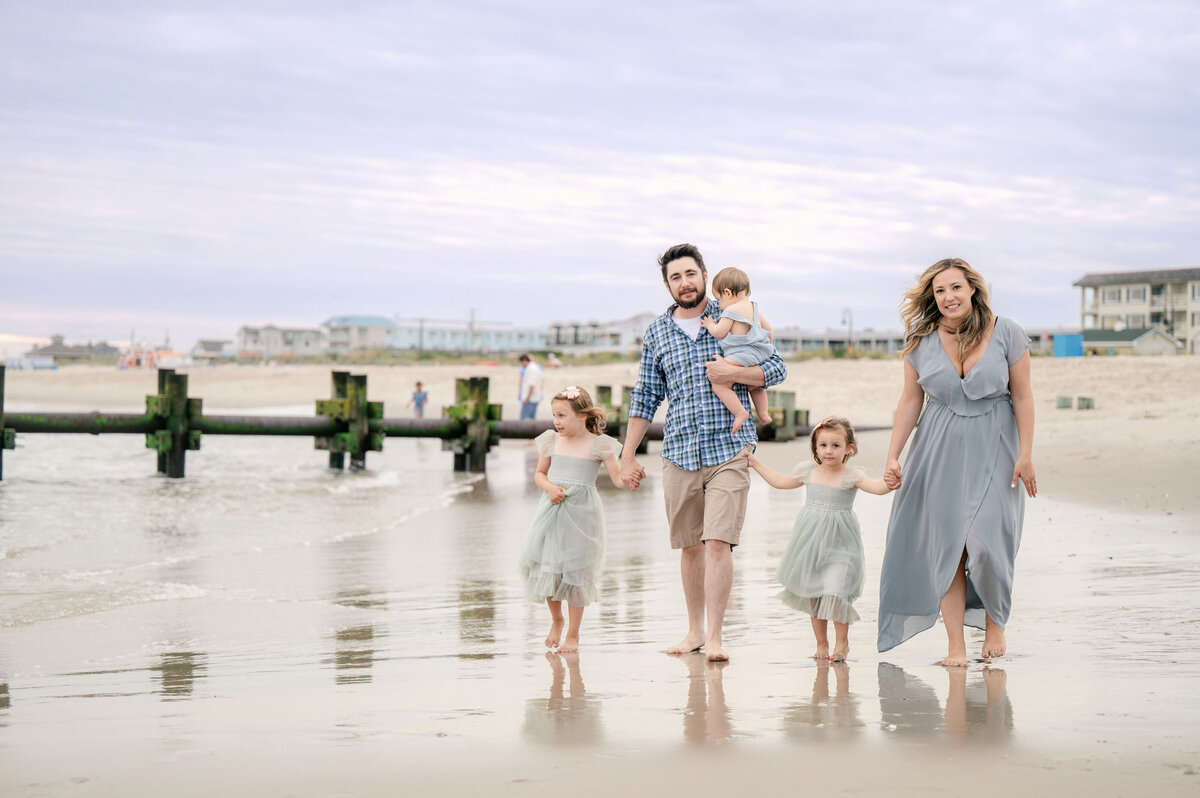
{"x": 770, "y": 372}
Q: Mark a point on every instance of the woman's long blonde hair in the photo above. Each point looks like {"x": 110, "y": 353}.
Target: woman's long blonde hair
{"x": 919, "y": 314}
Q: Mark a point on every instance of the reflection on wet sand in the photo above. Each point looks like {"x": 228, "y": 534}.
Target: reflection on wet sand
{"x": 354, "y": 654}
{"x": 826, "y": 717}
{"x": 177, "y": 673}
{"x": 573, "y": 719}
{"x": 4, "y": 703}
{"x": 706, "y": 718}
{"x": 477, "y": 619}
{"x": 980, "y": 711}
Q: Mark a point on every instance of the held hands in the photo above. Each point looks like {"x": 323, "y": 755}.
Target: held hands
{"x": 891, "y": 474}
{"x": 556, "y": 493}
{"x": 631, "y": 474}
{"x": 1024, "y": 472}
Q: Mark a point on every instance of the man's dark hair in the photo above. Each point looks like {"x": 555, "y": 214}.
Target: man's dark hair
{"x": 681, "y": 251}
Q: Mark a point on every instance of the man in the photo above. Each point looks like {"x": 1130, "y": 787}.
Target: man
{"x": 530, "y": 392}
{"x": 705, "y": 480}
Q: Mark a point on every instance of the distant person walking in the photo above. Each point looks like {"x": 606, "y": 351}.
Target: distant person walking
{"x": 530, "y": 390}
{"x": 705, "y": 481}
{"x": 419, "y": 397}
{"x": 956, "y": 522}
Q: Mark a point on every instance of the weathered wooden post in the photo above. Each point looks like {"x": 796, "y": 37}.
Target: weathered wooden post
{"x": 471, "y": 407}
{"x": 8, "y": 437}
{"x": 623, "y": 415}
{"x": 782, "y": 407}
{"x": 174, "y": 410}
{"x": 353, "y": 413}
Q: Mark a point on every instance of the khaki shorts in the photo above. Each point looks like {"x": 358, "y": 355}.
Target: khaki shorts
{"x": 709, "y": 504}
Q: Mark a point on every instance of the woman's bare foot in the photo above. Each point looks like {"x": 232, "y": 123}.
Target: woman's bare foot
{"x": 956, "y": 658}
{"x": 994, "y": 644}
{"x": 687, "y": 645}
{"x": 555, "y": 635}
{"x": 840, "y": 652}
{"x": 739, "y": 419}
{"x": 713, "y": 650}
{"x": 570, "y": 645}
{"x": 822, "y": 654}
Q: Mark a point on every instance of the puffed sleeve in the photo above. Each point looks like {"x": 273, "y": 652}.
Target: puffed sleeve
{"x": 854, "y": 475}
{"x": 605, "y": 447}
{"x": 803, "y": 470}
{"x": 545, "y": 443}
{"x": 1018, "y": 341}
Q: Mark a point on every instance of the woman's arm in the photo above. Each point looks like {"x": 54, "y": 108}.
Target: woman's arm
{"x": 908, "y": 410}
{"x": 555, "y": 492}
{"x": 1020, "y": 388}
{"x": 772, "y": 477}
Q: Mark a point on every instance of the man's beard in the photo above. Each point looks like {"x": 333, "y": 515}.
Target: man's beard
{"x": 691, "y": 303}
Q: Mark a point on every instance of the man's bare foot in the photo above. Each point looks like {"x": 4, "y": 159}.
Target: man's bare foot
{"x": 994, "y": 644}
{"x": 555, "y": 633}
{"x": 840, "y": 652}
{"x": 714, "y": 652}
{"x": 687, "y": 645}
{"x": 570, "y": 645}
{"x": 739, "y": 419}
{"x": 822, "y": 653}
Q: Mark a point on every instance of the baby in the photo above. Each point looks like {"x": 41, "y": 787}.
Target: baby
{"x": 745, "y": 338}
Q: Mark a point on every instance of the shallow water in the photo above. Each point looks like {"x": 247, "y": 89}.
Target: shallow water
{"x": 266, "y": 603}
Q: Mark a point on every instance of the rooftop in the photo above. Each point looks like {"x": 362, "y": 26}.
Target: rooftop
{"x": 1148, "y": 276}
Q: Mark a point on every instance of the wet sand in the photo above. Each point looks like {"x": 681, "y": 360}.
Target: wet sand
{"x": 398, "y": 654}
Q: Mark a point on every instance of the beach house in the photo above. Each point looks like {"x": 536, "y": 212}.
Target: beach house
{"x": 1128, "y": 302}
{"x": 270, "y": 342}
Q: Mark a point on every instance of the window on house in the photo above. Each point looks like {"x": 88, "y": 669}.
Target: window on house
{"x": 1136, "y": 321}
{"x": 1136, "y": 294}
{"x": 1109, "y": 322}
{"x": 1110, "y": 296}
{"x": 1195, "y": 290}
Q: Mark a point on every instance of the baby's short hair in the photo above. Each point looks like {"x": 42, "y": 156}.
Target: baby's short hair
{"x": 733, "y": 279}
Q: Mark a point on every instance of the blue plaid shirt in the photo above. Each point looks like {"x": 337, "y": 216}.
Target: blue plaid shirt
{"x": 672, "y": 368}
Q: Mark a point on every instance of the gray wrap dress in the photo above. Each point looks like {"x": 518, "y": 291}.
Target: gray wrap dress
{"x": 956, "y": 492}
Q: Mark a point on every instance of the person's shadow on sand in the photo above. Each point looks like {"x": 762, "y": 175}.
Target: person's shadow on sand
{"x": 563, "y": 719}
{"x": 706, "y": 718}
{"x": 977, "y": 712}
{"x": 826, "y": 716}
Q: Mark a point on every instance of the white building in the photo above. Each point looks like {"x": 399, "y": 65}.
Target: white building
{"x": 347, "y": 334}
{"x": 1166, "y": 298}
{"x": 623, "y": 336}
{"x": 793, "y": 340}
{"x": 212, "y": 350}
{"x": 464, "y": 336}
{"x": 271, "y": 342}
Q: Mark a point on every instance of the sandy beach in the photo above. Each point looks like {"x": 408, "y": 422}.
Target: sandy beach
{"x": 267, "y": 627}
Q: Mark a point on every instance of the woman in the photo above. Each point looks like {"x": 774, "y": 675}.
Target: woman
{"x": 956, "y": 522}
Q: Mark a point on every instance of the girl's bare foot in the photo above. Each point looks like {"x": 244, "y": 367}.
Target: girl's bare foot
{"x": 687, "y": 645}
{"x": 739, "y": 419}
{"x": 713, "y": 650}
{"x": 555, "y": 635}
{"x": 994, "y": 644}
{"x": 570, "y": 645}
{"x": 822, "y": 652}
{"x": 840, "y": 652}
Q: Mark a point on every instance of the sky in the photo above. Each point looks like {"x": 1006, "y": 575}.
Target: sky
{"x": 186, "y": 168}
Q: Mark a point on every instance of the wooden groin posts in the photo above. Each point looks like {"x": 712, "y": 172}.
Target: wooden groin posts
{"x": 472, "y": 409}
{"x": 345, "y": 424}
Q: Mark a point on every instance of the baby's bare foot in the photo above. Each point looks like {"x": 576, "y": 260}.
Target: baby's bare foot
{"x": 687, "y": 645}
{"x": 739, "y": 419}
{"x": 555, "y": 633}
